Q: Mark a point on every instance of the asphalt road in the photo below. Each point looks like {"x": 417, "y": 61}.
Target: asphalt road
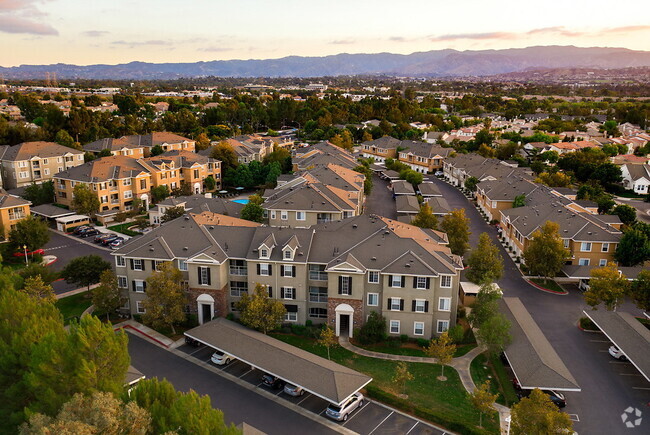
{"x": 67, "y": 248}
{"x": 238, "y": 404}
{"x": 380, "y": 201}
{"x": 642, "y": 208}
{"x": 608, "y": 387}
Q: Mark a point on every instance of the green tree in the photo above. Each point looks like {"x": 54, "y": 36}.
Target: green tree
{"x": 537, "y": 415}
{"x": 456, "y": 225}
{"x": 545, "y": 254}
{"x": 202, "y": 142}
{"x": 99, "y": 413}
{"x": 554, "y": 179}
{"x": 275, "y": 170}
{"x": 39, "y": 194}
{"x": 224, "y": 152}
{"x": 253, "y": 212}
{"x": 36, "y": 288}
{"x": 84, "y": 200}
{"x": 425, "y": 218}
{"x": 483, "y": 400}
{"x": 260, "y": 312}
{"x": 157, "y": 150}
{"x": 471, "y": 183}
{"x": 327, "y": 339}
{"x": 368, "y": 173}
{"x": 520, "y": 201}
{"x": 443, "y": 350}
{"x": 243, "y": 176}
{"x": 411, "y": 176}
{"x": 485, "y": 262}
{"x": 106, "y": 296}
{"x": 64, "y": 138}
{"x": 172, "y": 213}
{"x": 31, "y": 231}
{"x": 165, "y": 303}
{"x": 633, "y": 248}
{"x": 374, "y": 330}
{"x": 177, "y": 412}
{"x": 402, "y": 376}
{"x": 485, "y": 306}
{"x": 34, "y": 269}
{"x": 494, "y": 333}
{"x": 607, "y": 286}
{"x": 159, "y": 193}
{"x": 640, "y": 290}
{"x": 210, "y": 183}
{"x": 626, "y": 213}
{"x": 105, "y": 153}
{"x": 85, "y": 271}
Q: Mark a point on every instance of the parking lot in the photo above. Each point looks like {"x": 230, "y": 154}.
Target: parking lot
{"x": 371, "y": 418}
{"x": 628, "y": 374}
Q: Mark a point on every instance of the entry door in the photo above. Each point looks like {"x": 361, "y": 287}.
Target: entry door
{"x": 344, "y": 328}
{"x": 207, "y": 312}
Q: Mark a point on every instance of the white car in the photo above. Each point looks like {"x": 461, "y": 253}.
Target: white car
{"x": 293, "y": 390}
{"x": 221, "y": 358}
{"x": 616, "y": 353}
{"x": 342, "y": 412}
{"x": 439, "y": 173}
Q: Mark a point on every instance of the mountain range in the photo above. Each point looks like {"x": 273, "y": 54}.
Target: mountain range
{"x": 435, "y": 63}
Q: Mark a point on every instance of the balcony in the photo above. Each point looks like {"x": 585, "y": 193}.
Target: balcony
{"x": 239, "y": 271}
{"x": 115, "y": 201}
{"x": 16, "y": 215}
{"x": 317, "y": 276}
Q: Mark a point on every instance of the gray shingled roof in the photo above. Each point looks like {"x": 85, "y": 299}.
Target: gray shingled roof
{"x": 319, "y": 376}
{"x": 7, "y": 200}
{"x": 407, "y": 204}
{"x": 50, "y": 211}
{"x": 532, "y": 358}
{"x": 439, "y": 205}
{"x": 401, "y": 187}
{"x": 584, "y": 272}
{"x": 429, "y": 189}
{"x": 199, "y": 203}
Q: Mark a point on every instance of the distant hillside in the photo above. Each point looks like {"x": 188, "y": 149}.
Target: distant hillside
{"x": 437, "y": 63}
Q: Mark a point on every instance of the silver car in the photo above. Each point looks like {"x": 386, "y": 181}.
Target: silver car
{"x": 293, "y": 390}
{"x": 342, "y": 412}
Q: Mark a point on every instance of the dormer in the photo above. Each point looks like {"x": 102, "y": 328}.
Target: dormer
{"x": 290, "y": 248}
{"x": 266, "y": 248}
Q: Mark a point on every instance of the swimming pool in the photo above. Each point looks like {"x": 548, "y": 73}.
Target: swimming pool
{"x": 241, "y": 201}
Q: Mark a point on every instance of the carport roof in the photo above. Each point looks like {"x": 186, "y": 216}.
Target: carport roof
{"x": 584, "y": 272}
{"x": 50, "y": 211}
{"x": 531, "y": 356}
{"x": 628, "y": 334}
{"x": 319, "y": 376}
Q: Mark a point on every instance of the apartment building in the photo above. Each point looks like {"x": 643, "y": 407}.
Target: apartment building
{"x": 195, "y": 204}
{"x": 463, "y": 166}
{"x": 252, "y": 147}
{"x": 420, "y": 156}
{"x": 35, "y": 162}
{"x": 496, "y": 195}
{"x": 381, "y": 149}
{"x": 12, "y": 210}
{"x": 138, "y": 146}
{"x": 122, "y": 146}
{"x": 177, "y": 167}
{"x": 336, "y": 272}
{"x": 322, "y": 154}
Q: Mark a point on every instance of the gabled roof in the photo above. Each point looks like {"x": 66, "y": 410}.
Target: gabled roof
{"x": 7, "y": 201}
{"x": 402, "y": 187}
{"x": 638, "y": 171}
{"x": 104, "y": 169}
{"x": 407, "y": 204}
{"x": 429, "y": 189}
{"x": 27, "y": 150}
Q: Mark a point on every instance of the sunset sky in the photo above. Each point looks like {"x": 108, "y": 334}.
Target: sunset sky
{"x": 118, "y": 31}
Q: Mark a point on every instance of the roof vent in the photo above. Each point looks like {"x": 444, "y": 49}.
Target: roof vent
{"x": 386, "y": 232}
{"x": 374, "y": 258}
{"x": 187, "y": 218}
{"x": 211, "y": 227}
{"x": 185, "y": 248}
{"x": 354, "y": 225}
{"x": 151, "y": 249}
{"x": 408, "y": 265}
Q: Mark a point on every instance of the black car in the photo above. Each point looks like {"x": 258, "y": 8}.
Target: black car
{"x": 100, "y": 237}
{"x": 273, "y": 381}
{"x": 80, "y": 229}
{"x": 89, "y": 233}
{"x": 192, "y": 342}
{"x": 108, "y": 240}
{"x": 557, "y": 398}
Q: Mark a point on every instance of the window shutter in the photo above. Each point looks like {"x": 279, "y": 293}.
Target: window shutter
{"x": 413, "y": 306}
{"x": 282, "y": 292}
{"x": 133, "y": 282}
{"x": 390, "y": 280}
{"x": 270, "y": 270}
{"x": 293, "y": 271}
{"x": 403, "y": 281}
{"x": 428, "y": 283}
{"x": 198, "y": 269}
{"x": 131, "y": 261}
{"x": 144, "y": 264}
{"x": 340, "y": 285}
{"x": 350, "y": 285}
{"x": 153, "y": 264}
{"x": 390, "y": 301}
{"x": 208, "y": 276}
{"x": 426, "y": 306}
{"x": 293, "y": 293}
{"x": 144, "y": 286}
{"x": 401, "y": 304}
{"x": 259, "y": 268}
{"x": 415, "y": 282}
{"x": 270, "y": 291}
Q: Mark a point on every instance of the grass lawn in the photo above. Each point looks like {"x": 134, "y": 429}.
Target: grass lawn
{"x": 445, "y": 403}
{"x": 461, "y": 349}
{"x": 493, "y": 370}
{"x": 548, "y": 284}
{"x": 124, "y": 229}
{"x": 73, "y": 306}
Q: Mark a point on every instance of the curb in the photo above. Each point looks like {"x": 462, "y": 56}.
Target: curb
{"x": 586, "y": 330}
{"x": 539, "y": 287}
{"x": 144, "y": 334}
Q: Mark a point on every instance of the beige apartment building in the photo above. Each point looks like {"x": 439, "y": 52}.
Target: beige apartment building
{"x": 35, "y": 162}
{"x": 139, "y": 146}
{"x": 12, "y": 210}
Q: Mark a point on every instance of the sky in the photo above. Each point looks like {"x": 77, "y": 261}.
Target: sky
{"x": 85, "y": 32}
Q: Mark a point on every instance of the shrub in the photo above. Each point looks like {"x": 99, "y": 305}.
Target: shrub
{"x": 298, "y": 329}
{"x": 422, "y": 342}
{"x": 374, "y": 330}
{"x": 403, "y": 338}
{"x": 461, "y": 312}
{"x": 230, "y": 316}
{"x": 457, "y": 334}
{"x": 587, "y": 324}
{"x": 308, "y": 323}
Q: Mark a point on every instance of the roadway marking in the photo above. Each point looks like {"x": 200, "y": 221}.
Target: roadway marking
{"x": 280, "y": 392}
{"x": 630, "y": 374}
{"x": 599, "y": 341}
{"x": 322, "y": 412}
{"x": 640, "y": 388}
{"x": 258, "y": 385}
{"x": 197, "y": 350}
{"x": 574, "y": 417}
{"x": 618, "y": 362}
{"x": 357, "y": 411}
{"x": 306, "y": 397}
{"x": 382, "y": 422}
{"x": 412, "y": 427}
{"x": 245, "y": 374}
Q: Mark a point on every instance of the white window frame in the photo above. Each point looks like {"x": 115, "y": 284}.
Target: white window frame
{"x": 120, "y": 261}
{"x": 286, "y": 267}
{"x": 584, "y": 245}
{"x": 264, "y": 269}
{"x": 415, "y": 328}
{"x": 394, "y": 323}
{"x": 602, "y": 262}
{"x": 604, "y": 247}
{"x": 565, "y": 242}
{"x": 392, "y": 304}
{"x": 291, "y": 316}
{"x": 182, "y": 265}
{"x": 284, "y": 215}
{"x": 272, "y": 214}
{"x": 138, "y": 264}
{"x": 138, "y": 281}
{"x": 371, "y": 297}
{"x": 204, "y": 280}
{"x": 444, "y": 278}
{"x": 122, "y": 281}
{"x": 392, "y": 281}
{"x": 128, "y": 194}
{"x": 420, "y": 308}
{"x": 443, "y": 329}
{"x": 292, "y": 291}
{"x": 446, "y": 301}
{"x": 264, "y": 253}
{"x": 301, "y": 216}
{"x": 421, "y": 285}
{"x": 288, "y": 254}
{"x": 584, "y": 262}
{"x": 139, "y": 308}
{"x": 374, "y": 273}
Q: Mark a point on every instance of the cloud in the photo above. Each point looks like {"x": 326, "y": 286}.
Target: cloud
{"x": 627, "y": 29}
{"x": 152, "y": 42}
{"x": 397, "y": 39}
{"x": 215, "y": 49}
{"x": 474, "y": 36}
{"x": 94, "y": 33}
{"x": 342, "y": 41}
{"x": 14, "y": 24}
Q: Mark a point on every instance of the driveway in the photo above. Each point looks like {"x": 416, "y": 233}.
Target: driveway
{"x": 606, "y": 391}
{"x": 642, "y": 207}
{"x": 380, "y": 201}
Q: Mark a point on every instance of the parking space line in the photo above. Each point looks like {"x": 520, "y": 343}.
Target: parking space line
{"x": 412, "y": 427}
{"x": 358, "y": 410}
{"x": 305, "y": 398}
{"x": 245, "y": 373}
{"x": 197, "y": 350}
{"x": 640, "y": 388}
{"x": 599, "y": 341}
{"x": 619, "y": 362}
{"x": 382, "y": 422}
{"x": 322, "y": 412}
{"x": 574, "y": 417}
{"x": 280, "y": 392}
{"x": 630, "y": 374}
{"x": 260, "y": 384}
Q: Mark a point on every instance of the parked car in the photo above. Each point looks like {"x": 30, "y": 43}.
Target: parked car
{"x": 342, "y": 412}
{"x": 89, "y": 233}
{"x": 221, "y": 358}
{"x": 557, "y": 398}
{"x": 439, "y": 174}
{"x": 272, "y": 381}
{"x": 192, "y": 342}
{"x": 116, "y": 243}
{"x": 80, "y": 229}
{"x": 293, "y": 390}
{"x": 108, "y": 240}
{"x": 616, "y": 353}
{"x": 100, "y": 237}
{"x": 34, "y": 252}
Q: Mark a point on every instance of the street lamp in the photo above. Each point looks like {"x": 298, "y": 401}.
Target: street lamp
{"x": 26, "y": 261}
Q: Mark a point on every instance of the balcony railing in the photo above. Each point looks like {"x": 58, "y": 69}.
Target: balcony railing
{"x": 317, "y": 297}
{"x": 317, "y": 276}
{"x": 237, "y": 270}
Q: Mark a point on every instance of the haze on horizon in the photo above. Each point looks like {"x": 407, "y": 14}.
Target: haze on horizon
{"x": 89, "y": 32}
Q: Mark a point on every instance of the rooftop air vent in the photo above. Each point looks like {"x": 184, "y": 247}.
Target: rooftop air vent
{"x": 408, "y": 265}
{"x": 374, "y": 258}
{"x": 187, "y": 218}
{"x": 354, "y": 225}
{"x": 185, "y": 248}
{"x": 211, "y": 227}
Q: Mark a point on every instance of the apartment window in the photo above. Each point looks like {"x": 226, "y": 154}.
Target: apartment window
{"x": 139, "y": 308}
{"x": 319, "y": 313}
{"x": 182, "y": 265}
{"x": 443, "y": 325}
{"x": 22, "y": 164}
{"x": 137, "y": 264}
{"x": 395, "y": 304}
{"x": 237, "y": 288}
{"x": 272, "y": 214}
{"x": 128, "y": 194}
{"x": 396, "y": 281}
{"x": 122, "y": 282}
{"x": 345, "y": 285}
{"x": 288, "y": 271}
{"x": 23, "y": 175}
{"x": 421, "y": 282}
{"x": 238, "y": 267}
{"x": 420, "y": 306}
{"x": 301, "y": 216}
{"x": 566, "y": 243}
{"x": 585, "y": 247}
{"x": 444, "y": 304}
{"x": 139, "y": 286}
{"x": 602, "y": 262}
{"x": 445, "y": 281}
{"x": 287, "y": 293}
{"x": 156, "y": 264}
{"x": 284, "y": 215}
{"x": 288, "y": 254}
{"x": 264, "y": 253}
{"x": 58, "y": 160}
{"x": 120, "y": 261}
{"x": 60, "y": 169}
{"x": 605, "y": 247}
{"x": 204, "y": 275}
{"x": 373, "y": 277}
{"x": 394, "y": 326}
{"x": 80, "y": 157}
{"x": 196, "y": 173}
{"x": 264, "y": 269}
{"x": 104, "y": 199}
{"x": 270, "y": 290}
{"x": 126, "y": 182}
{"x": 373, "y": 299}
{"x": 583, "y": 262}
{"x": 494, "y": 204}
{"x": 317, "y": 294}
{"x": 143, "y": 184}
{"x": 47, "y": 171}
{"x": 317, "y": 272}
{"x": 291, "y": 316}
{"x": 418, "y": 328}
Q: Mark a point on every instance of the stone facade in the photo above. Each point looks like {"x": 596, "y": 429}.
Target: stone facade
{"x": 357, "y": 305}
{"x": 220, "y": 300}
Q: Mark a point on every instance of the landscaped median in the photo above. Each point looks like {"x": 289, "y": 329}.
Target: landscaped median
{"x": 484, "y": 368}
{"x": 549, "y": 285}
{"x": 72, "y": 307}
{"x": 445, "y": 403}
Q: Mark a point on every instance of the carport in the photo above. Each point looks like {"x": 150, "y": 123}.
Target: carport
{"x": 628, "y": 334}
{"x": 318, "y": 376}
{"x": 530, "y": 355}
{"x": 50, "y": 212}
